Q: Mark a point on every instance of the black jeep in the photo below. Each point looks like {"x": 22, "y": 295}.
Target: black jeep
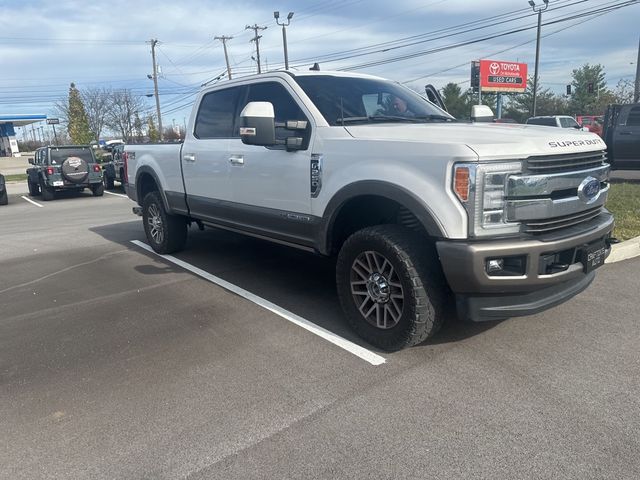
{"x": 114, "y": 170}
{"x": 4, "y": 198}
{"x": 59, "y": 168}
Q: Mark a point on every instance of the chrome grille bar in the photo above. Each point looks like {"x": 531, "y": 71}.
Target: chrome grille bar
{"x": 567, "y": 162}
{"x": 543, "y": 226}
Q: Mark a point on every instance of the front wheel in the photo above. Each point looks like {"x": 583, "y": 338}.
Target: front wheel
{"x": 166, "y": 233}
{"x": 391, "y": 286}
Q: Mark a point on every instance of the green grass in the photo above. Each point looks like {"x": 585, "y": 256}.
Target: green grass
{"x": 624, "y": 203}
{"x": 20, "y": 177}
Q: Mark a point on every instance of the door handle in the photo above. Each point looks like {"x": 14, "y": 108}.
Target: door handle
{"x": 625, "y": 133}
{"x": 236, "y": 160}
{"x": 189, "y": 157}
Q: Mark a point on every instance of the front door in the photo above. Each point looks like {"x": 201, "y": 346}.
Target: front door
{"x": 271, "y": 186}
{"x": 627, "y": 138}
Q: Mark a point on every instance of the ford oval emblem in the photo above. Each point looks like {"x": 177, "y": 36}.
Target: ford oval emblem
{"x": 589, "y": 190}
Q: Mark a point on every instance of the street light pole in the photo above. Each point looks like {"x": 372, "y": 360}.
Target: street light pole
{"x": 276, "y": 15}
{"x": 538, "y": 10}
{"x": 636, "y": 95}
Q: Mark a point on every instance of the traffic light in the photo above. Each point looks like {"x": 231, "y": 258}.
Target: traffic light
{"x": 568, "y": 89}
{"x": 590, "y": 87}
{"x": 475, "y": 76}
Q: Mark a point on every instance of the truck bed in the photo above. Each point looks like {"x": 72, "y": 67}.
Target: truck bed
{"x": 163, "y": 158}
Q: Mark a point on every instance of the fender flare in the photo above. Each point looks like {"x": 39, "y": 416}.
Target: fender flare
{"x": 145, "y": 169}
{"x": 381, "y": 189}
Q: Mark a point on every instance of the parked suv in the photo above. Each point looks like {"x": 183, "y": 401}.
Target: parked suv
{"x": 57, "y": 168}
{"x": 4, "y": 198}
{"x": 562, "y": 121}
{"x": 114, "y": 170}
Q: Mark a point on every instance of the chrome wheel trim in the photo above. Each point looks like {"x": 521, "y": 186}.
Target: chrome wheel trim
{"x": 376, "y": 290}
{"x": 154, "y": 221}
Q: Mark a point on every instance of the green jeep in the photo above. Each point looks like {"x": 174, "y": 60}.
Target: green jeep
{"x": 72, "y": 167}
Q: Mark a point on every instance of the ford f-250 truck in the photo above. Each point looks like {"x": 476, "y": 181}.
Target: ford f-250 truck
{"x": 421, "y": 210}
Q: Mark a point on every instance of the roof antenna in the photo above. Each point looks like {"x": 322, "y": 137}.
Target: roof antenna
{"x": 316, "y": 67}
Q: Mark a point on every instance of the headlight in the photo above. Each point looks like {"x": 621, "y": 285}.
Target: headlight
{"x": 481, "y": 189}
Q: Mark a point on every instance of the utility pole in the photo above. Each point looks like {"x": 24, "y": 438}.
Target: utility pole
{"x": 224, "y": 39}
{"x": 276, "y": 15}
{"x": 539, "y": 11}
{"x": 153, "y": 43}
{"x": 636, "y": 96}
{"x": 256, "y": 39}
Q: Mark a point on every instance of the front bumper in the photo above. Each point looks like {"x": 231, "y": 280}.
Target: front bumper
{"x": 480, "y": 296}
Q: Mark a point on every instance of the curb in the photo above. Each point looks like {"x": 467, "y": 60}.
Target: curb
{"x": 624, "y": 250}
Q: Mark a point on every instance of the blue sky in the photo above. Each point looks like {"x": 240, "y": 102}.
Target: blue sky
{"x": 45, "y": 45}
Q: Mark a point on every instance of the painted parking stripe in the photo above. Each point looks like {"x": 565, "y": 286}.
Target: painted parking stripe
{"x": 31, "y": 201}
{"x": 357, "y": 350}
{"x": 116, "y": 194}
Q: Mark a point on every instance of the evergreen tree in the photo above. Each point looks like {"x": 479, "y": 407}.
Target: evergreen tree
{"x": 458, "y": 104}
{"x": 78, "y": 125}
{"x": 154, "y": 134}
{"x": 590, "y": 95}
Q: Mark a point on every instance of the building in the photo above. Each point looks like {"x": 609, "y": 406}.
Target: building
{"x": 8, "y": 142}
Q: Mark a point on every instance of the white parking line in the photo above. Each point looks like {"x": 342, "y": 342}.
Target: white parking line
{"x": 363, "y": 353}
{"x": 31, "y": 201}
{"x": 116, "y": 194}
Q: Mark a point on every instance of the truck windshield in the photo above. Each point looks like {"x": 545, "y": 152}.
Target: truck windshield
{"x": 59, "y": 155}
{"x": 349, "y": 100}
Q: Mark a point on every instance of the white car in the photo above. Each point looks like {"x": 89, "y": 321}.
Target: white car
{"x": 562, "y": 121}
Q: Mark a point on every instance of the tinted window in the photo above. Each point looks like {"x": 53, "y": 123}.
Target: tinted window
{"x": 342, "y": 99}
{"x": 633, "y": 120}
{"x": 284, "y": 105}
{"x": 57, "y": 156}
{"x": 216, "y": 114}
{"x": 547, "y": 122}
{"x": 568, "y": 123}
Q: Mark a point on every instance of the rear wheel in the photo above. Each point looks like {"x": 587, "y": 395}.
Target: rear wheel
{"x": 166, "y": 233}
{"x": 47, "y": 192}
{"x": 391, "y": 286}
{"x": 4, "y": 197}
{"x": 97, "y": 189}
{"x": 108, "y": 182}
{"x": 34, "y": 188}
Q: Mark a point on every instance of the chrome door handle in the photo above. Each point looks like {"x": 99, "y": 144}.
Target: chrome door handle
{"x": 189, "y": 157}
{"x": 236, "y": 160}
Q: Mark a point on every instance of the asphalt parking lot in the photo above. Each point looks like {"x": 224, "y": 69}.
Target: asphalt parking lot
{"x": 116, "y": 363}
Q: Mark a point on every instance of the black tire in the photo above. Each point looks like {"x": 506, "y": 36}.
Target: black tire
{"x": 165, "y": 233}
{"x": 108, "y": 182}
{"x": 34, "y": 188}
{"x": 97, "y": 189}
{"x": 4, "y": 197}
{"x": 48, "y": 193}
{"x": 75, "y": 169}
{"x": 409, "y": 305}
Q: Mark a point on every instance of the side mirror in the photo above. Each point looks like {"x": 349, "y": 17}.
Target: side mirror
{"x": 257, "y": 124}
{"x": 433, "y": 95}
{"x": 481, "y": 113}
{"x": 31, "y": 161}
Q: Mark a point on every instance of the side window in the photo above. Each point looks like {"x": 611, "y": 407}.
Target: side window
{"x": 566, "y": 123}
{"x": 633, "y": 120}
{"x": 216, "y": 114}
{"x": 284, "y": 106}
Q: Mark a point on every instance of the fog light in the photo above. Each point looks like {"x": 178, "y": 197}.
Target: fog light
{"x": 506, "y": 266}
{"x": 494, "y": 266}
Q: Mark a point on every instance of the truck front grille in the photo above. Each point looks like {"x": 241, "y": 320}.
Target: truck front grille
{"x": 565, "y": 163}
{"x": 556, "y": 223}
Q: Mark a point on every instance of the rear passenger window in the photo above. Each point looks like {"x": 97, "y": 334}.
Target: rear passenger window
{"x": 633, "y": 120}
{"x": 217, "y": 113}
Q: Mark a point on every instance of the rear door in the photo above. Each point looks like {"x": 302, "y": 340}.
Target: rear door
{"x": 626, "y": 137}
{"x": 205, "y": 158}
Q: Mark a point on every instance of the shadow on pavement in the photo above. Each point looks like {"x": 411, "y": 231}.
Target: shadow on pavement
{"x": 298, "y": 281}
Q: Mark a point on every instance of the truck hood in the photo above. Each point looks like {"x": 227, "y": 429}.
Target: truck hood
{"x": 488, "y": 140}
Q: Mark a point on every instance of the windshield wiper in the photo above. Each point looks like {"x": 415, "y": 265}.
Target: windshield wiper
{"x": 393, "y": 118}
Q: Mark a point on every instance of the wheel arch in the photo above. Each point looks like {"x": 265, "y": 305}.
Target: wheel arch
{"x": 147, "y": 181}
{"x": 374, "y": 202}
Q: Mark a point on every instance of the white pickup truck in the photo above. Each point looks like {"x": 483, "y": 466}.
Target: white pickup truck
{"x": 421, "y": 210}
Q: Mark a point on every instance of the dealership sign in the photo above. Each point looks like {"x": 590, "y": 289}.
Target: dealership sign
{"x": 498, "y": 76}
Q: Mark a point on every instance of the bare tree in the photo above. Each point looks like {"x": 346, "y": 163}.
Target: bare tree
{"x": 123, "y": 106}
{"x": 624, "y": 91}
{"x": 96, "y": 103}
